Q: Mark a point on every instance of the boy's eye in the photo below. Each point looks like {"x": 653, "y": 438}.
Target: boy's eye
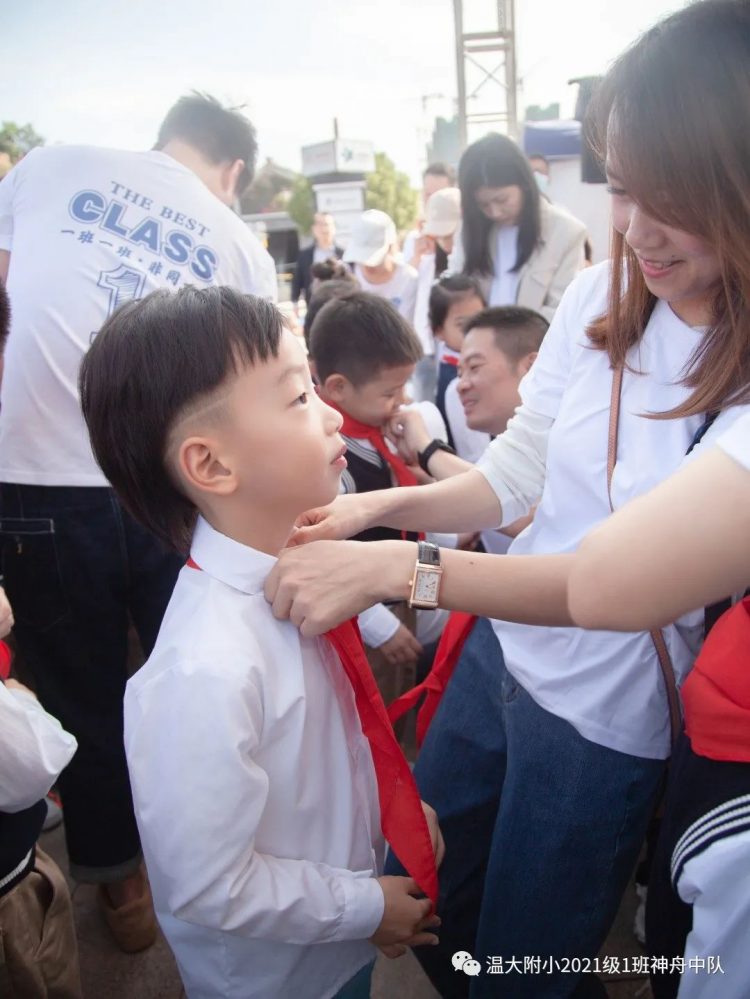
{"x": 301, "y": 400}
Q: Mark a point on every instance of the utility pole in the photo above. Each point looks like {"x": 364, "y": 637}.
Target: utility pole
{"x": 486, "y": 72}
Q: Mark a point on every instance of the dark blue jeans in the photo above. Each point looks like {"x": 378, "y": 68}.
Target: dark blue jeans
{"x": 542, "y": 830}
{"x": 77, "y": 570}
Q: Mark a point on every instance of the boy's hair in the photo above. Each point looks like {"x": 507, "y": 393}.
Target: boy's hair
{"x": 358, "y": 335}
{"x": 332, "y": 270}
{"x": 221, "y": 134}
{"x": 4, "y": 316}
{"x": 151, "y": 363}
{"x": 447, "y": 290}
{"x": 517, "y": 331}
{"x": 337, "y": 288}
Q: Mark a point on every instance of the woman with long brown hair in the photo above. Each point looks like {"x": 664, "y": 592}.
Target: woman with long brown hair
{"x": 548, "y": 749}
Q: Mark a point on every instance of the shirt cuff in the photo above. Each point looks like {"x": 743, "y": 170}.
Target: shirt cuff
{"x": 512, "y": 507}
{"x": 364, "y": 905}
{"x": 377, "y": 625}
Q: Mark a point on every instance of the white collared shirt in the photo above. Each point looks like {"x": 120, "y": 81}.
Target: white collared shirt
{"x": 254, "y": 790}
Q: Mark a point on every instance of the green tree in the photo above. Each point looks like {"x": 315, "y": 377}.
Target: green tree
{"x": 301, "y": 205}
{"x": 17, "y": 140}
{"x": 389, "y": 190}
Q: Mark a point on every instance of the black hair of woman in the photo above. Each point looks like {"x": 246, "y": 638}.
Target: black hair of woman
{"x": 496, "y": 161}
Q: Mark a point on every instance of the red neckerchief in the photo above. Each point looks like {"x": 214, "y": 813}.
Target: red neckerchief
{"x": 716, "y": 694}
{"x": 5, "y": 660}
{"x": 363, "y": 431}
{"x": 457, "y": 630}
{"x": 450, "y": 359}
{"x": 401, "y": 817}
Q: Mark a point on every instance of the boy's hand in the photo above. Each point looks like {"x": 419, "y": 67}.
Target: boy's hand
{"x": 408, "y": 431}
{"x": 406, "y": 919}
{"x": 401, "y": 647}
{"x": 6, "y": 614}
{"x": 438, "y": 844}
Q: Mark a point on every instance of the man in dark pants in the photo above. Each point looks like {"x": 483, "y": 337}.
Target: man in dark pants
{"x": 83, "y": 230}
{"x": 322, "y": 248}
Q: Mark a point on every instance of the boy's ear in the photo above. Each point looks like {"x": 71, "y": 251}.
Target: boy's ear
{"x": 335, "y": 387}
{"x": 201, "y": 469}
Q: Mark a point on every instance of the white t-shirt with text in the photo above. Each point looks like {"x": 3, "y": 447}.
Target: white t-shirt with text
{"x": 89, "y": 229}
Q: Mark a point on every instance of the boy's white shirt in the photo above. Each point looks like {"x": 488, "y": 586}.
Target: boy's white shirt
{"x": 254, "y": 790}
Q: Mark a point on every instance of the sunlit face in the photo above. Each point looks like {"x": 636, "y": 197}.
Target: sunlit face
{"x": 503, "y": 205}
{"x": 282, "y": 438}
{"x": 460, "y": 311}
{"x": 433, "y": 182}
{"x": 677, "y": 266}
{"x": 487, "y": 382}
{"x": 323, "y": 230}
{"x": 376, "y": 401}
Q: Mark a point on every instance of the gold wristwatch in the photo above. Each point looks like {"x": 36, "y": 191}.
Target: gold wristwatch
{"x": 425, "y": 584}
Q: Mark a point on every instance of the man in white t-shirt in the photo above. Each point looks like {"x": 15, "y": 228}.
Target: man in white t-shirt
{"x": 82, "y": 231}
{"x": 372, "y": 249}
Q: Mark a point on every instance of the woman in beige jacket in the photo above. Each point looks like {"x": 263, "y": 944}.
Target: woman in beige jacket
{"x": 522, "y": 249}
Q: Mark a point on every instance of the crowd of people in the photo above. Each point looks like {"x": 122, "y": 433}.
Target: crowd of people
{"x": 465, "y": 472}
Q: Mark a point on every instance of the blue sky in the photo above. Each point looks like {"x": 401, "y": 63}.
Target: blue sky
{"x": 105, "y": 73}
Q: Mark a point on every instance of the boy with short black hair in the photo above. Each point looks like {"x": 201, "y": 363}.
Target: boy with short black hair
{"x": 364, "y": 353}
{"x": 202, "y": 415}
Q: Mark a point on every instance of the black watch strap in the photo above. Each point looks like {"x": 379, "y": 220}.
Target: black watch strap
{"x": 428, "y": 553}
{"x": 423, "y": 457}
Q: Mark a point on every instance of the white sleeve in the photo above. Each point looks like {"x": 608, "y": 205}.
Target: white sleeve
{"x": 377, "y": 625}
{"x": 456, "y": 259}
{"x": 736, "y": 441}
{"x": 717, "y": 884}
{"x": 210, "y": 729}
{"x": 409, "y": 298}
{"x": 7, "y": 196}
{"x": 34, "y": 748}
{"x": 407, "y": 250}
{"x": 515, "y": 462}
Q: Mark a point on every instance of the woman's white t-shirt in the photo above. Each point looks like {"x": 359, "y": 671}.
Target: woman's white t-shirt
{"x": 504, "y": 289}
{"x": 736, "y": 441}
{"x": 608, "y": 685}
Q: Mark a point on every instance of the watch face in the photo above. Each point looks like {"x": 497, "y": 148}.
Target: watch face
{"x": 427, "y": 585}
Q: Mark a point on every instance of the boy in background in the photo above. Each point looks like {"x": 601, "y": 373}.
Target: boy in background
{"x": 364, "y": 353}
{"x": 203, "y": 416}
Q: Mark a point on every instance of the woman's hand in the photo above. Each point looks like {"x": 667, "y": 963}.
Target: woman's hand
{"x": 320, "y": 585}
{"x": 345, "y": 517}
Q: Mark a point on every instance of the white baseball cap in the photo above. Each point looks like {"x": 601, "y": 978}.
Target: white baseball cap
{"x": 372, "y": 237}
{"x": 443, "y": 212}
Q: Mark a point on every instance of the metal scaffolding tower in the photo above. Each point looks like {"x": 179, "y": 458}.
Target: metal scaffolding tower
{"x": 486, "y": 71}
